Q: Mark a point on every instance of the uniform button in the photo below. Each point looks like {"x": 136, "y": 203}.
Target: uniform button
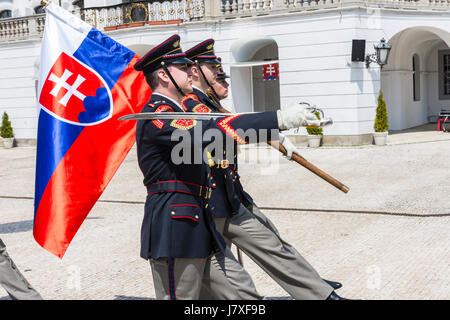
{"x": 196, "y": 217}
{"x": 206, "y": 205}
{"x": 172, "y": 213}
{"x": 214, "y": 184}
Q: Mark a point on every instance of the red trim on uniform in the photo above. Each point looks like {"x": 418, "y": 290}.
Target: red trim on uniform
{"x": 229, "y": 130}
{"x": 184, "y": 205}
{"x": 201, "y": 108}
{"x": 158, "y": 123}
{"x": 175, "y": 55}
{"x": 188, "y": 97}
{"x": 162, "y": 108}
{"x": 186, "y": 217}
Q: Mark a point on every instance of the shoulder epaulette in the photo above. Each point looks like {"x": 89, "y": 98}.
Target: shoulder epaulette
{"x": 160, "y": 107}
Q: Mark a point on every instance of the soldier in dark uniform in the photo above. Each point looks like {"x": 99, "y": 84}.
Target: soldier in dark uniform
{"x": 178, "y": 234}
{"x": 237, "y": 217}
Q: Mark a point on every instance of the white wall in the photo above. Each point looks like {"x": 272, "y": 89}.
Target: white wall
{"x": 17, "y": 86}
{"x": 22, "y": 8}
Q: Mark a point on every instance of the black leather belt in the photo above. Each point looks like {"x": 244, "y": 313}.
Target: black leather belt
{"x": 180, "y": 186}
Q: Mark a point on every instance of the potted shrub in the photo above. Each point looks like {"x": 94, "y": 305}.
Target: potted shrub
{"x": 6, "y": 132}
{"x": 315, "y": 134}
{"x": 381, "y": 124}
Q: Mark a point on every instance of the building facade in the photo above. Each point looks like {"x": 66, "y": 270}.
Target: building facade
{"x": 311, "y": 41}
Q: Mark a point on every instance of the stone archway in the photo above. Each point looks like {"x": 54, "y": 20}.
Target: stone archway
{"x": 250, "y": 91}
{"x": 412, "y": 78}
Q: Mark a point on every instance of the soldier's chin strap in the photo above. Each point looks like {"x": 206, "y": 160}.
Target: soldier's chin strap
{"x": 207, "y": 82}
{"x": 172, "y": 79}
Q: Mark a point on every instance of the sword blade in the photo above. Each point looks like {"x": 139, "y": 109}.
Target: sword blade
{"x": 193, "y": 116}
{"x": 175, "y": 115}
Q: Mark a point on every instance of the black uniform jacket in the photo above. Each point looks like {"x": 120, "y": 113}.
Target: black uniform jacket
{"x": 227, "y": 191}
{"x": 178, "y": 221}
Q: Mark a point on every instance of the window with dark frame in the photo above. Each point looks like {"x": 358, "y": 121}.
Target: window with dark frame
{"x": 416, "y": 77}
{"x": 39, "y": 10}
{"x": 446, "y": 74}
{"x": 5, "y": 14}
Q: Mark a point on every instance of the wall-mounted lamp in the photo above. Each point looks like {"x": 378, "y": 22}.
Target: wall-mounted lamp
{"x": 381, "y": 54}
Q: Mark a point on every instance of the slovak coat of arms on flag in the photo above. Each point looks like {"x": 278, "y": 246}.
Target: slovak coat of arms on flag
{"x": 270, "y": 71}
{"x": 75, "y": 93}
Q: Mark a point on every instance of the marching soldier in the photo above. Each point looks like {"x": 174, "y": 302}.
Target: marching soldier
{"x": 237, "y": 217}
{"x": 178, "y": 234}
{"x": 12, "y": 279}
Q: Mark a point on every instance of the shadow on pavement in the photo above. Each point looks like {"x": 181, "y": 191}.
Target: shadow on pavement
{"x": 25, "y": 225}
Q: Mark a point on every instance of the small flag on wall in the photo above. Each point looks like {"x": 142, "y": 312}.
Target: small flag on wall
{"x": 270, "y": 71}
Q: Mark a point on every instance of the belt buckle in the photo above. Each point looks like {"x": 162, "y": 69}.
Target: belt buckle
{"x": 224, "y": 164}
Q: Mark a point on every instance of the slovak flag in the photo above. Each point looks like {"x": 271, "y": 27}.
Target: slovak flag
{"x": 86, "y": 83}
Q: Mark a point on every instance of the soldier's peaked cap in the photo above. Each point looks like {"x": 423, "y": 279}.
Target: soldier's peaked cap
{"x": 203, "y": 52}
{"x": 166, "y": 53}
{"x": 221, "y": 74}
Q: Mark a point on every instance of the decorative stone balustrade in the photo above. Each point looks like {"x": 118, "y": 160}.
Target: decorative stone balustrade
{"x": 139, "y": 13}
{"x": 23, "y": 28}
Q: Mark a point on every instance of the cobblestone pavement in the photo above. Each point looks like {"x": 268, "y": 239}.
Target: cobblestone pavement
{"x": 388, "y": 238}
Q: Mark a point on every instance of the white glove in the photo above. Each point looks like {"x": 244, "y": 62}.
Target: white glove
{"x": 288, "y": 145}
{"x": 296, "y": 116}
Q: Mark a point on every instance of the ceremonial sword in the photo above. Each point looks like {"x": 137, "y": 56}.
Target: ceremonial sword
{"x": 194, "y": 116}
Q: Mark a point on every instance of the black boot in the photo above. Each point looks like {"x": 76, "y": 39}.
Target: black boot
{"x": 334, "y": 284}
{"x": 334, "y": 296}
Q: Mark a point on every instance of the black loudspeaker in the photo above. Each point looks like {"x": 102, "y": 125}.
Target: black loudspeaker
{"x": 359, "y": 50}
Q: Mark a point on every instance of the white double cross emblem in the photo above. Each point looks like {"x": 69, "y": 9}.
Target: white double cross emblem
{"x": 71, "y": 89}
{"x": 270, "y": 69}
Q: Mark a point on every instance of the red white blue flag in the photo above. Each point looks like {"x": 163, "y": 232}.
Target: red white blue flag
{"x": 86, "y": 83}
{"x": 270, "y": 71}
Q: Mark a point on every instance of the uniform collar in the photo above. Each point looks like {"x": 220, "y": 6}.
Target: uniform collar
{"x": 199, "y": 93}
{"x": 164, "y": 97}
{"x": 198, "y": 89}
{"x": 205, "y": 99}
